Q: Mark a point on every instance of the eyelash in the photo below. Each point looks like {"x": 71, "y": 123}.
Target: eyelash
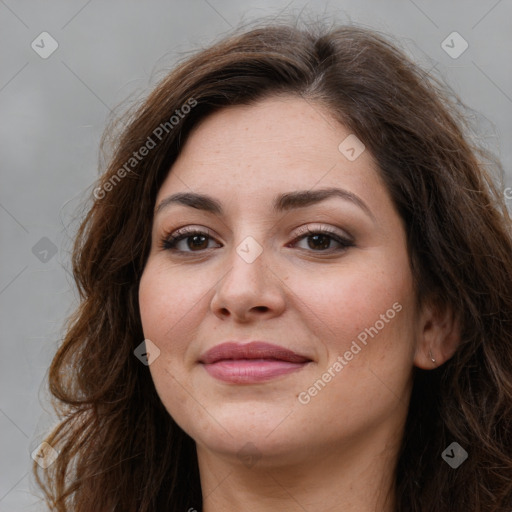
{"x": 170, "y": 240}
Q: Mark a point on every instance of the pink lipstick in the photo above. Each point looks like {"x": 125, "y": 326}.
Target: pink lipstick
{"x": 252, "y": 362}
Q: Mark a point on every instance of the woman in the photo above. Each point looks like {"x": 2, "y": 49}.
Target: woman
{"x": 321, "y": 269}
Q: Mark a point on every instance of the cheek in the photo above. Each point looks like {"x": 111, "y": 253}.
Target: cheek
{"x": 366, "y": 319}
{"x": 344, "y": 302}
{"x": 168, "y": 302}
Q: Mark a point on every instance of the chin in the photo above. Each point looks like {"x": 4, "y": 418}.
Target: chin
{"x": 248, "y": 448}
{"x": 246, "y": 432}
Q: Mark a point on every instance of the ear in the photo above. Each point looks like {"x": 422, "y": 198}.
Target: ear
{"x": 438, "y": 337}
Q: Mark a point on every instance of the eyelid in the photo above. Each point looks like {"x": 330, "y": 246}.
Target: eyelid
{"x": 191, "y": 228}
{"x": 325, "y": 228}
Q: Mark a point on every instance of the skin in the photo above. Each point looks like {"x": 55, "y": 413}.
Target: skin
{"x": 337, "y": 451}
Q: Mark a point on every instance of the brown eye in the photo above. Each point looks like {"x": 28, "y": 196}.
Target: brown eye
{"x": 322, "y": 240}
{"x": 197, "y": 242}
{"x": 319, "y": 241}
{"x": 187, "y": 241}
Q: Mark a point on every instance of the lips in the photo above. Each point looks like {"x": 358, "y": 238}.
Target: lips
{"x": 256, "y": 361}
{"x": 252, "y": 350}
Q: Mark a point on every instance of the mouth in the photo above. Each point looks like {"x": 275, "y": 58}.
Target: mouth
{"x": 252, "y": 362}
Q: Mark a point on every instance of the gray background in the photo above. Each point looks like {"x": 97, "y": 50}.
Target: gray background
{"x": 54, "y": 110}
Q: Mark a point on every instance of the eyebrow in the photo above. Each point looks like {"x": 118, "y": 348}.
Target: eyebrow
{"x": 282, "y": 202}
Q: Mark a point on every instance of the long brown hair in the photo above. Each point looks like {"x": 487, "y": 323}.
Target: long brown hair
{"x": 119, "y": 448}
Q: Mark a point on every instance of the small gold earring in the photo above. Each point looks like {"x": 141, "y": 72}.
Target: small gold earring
{"x": 432, "y": 358}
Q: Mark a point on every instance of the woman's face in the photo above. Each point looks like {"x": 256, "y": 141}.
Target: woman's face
{"x": 323, "y": 277}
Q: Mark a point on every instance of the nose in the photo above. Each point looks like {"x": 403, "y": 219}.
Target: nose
{"x": 249, "y": 290}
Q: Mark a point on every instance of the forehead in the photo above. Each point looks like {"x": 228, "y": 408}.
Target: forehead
{"x": 282, "y": 125}
{"x": 274, "y": 144}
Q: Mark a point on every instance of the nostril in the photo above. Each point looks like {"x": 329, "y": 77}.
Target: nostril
{"x": 261, "y": 308}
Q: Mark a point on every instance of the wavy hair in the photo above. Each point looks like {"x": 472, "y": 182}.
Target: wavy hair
{"x": 120, "y": 451}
